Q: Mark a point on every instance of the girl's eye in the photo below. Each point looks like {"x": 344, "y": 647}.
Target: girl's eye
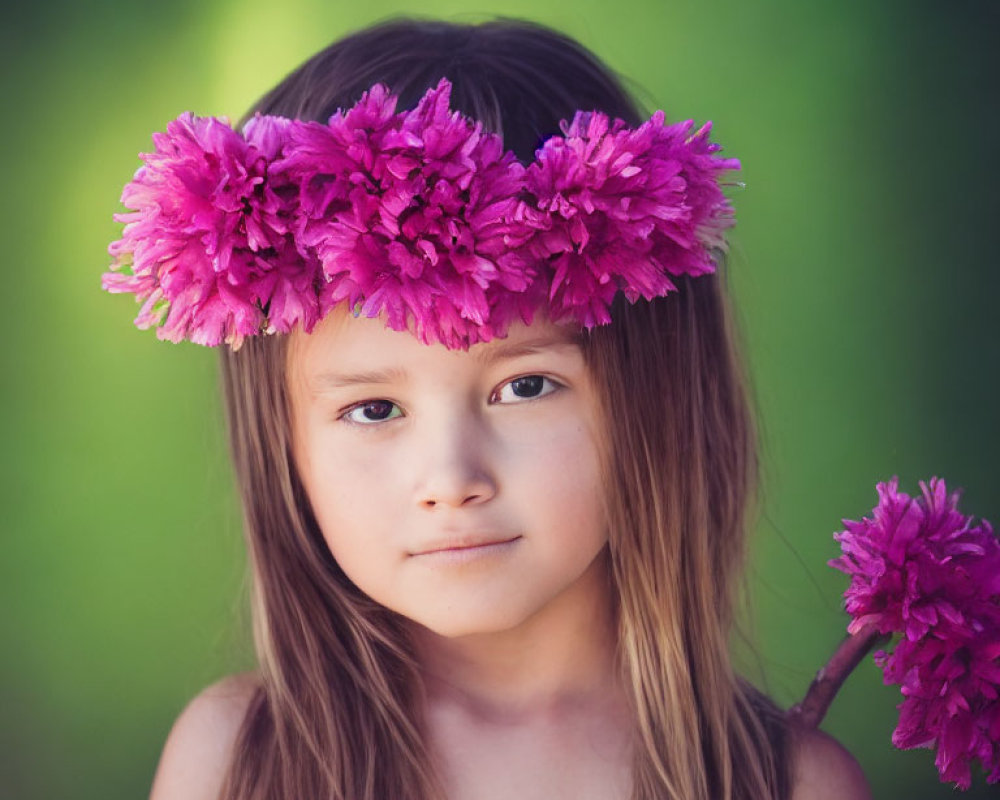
{"x": 371, "y": 412}
{"x": 527, "y": 387}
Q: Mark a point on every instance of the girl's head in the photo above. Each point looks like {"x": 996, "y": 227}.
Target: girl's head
{"x": 628, "y": 446}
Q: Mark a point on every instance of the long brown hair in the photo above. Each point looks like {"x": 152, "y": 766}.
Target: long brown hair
{"x": 338, "y": 713}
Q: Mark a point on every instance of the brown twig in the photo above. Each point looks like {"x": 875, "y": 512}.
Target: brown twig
{"x": 810, "y": 712}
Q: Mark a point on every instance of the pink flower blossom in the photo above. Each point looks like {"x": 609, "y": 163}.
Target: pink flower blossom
{"x": 207, "y": 246}
{"x": 412, "y": 216}
{"x": 625, "y": 210}
{"x": 922, "y": 569}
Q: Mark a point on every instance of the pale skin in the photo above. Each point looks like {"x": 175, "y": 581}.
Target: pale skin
{"x": 464, "y": 494}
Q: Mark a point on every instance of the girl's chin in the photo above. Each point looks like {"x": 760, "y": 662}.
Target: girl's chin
{"x": 453, "y": 624}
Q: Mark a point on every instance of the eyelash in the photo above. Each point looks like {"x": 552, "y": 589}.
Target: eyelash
{"x": 548, "y": 386}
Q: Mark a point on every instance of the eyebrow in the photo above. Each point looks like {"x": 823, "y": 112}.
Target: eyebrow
{"x": 327, "y": 381}
{"x": 505, "y": 351}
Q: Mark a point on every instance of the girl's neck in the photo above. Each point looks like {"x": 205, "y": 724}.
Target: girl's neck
{"x": 556, "y": 662}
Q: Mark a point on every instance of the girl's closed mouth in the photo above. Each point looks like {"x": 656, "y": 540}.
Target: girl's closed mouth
{"x": 462, "y": 547}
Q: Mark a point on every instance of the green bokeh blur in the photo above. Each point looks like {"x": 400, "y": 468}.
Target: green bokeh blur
{"x": 862, "y": 266}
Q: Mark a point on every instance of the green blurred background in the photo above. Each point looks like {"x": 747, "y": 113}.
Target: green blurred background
{"x": 862, "y": 264}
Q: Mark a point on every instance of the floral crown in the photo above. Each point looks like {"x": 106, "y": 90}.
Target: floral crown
{"x": 419, "y": 217}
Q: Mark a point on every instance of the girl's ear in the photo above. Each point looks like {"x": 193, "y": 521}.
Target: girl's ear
{"x": 200, "y": 745}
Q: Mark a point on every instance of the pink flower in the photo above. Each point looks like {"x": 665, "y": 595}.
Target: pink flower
{"x": 625, "y": 210}
{"x": 921, "y": 569}
{"x": 207, "y": 246}
{"x": 412, "y": 216}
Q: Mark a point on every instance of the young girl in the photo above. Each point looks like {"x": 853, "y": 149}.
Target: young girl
{"x": 495, "y": 454}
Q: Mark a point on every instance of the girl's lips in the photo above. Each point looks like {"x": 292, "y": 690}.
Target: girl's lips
{"x": 464, "y": 548}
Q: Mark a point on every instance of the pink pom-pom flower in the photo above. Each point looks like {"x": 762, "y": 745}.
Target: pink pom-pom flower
{"x": 411, "y": 216}
{"x": 625, "y": 209}
{"x": 206, "y": 247}
{"x": 921, "y": 569}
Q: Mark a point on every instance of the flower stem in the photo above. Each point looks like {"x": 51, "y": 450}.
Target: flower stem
{"x": 810, "y": 712}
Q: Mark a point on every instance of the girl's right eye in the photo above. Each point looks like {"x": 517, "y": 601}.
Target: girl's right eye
{"x": 371, "y": 412}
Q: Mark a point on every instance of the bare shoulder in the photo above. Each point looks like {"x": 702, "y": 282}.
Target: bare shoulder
{"x": 823, "y": 769}
{"x": 200, "y": 744}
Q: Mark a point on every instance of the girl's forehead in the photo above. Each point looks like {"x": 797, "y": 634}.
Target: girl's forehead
{"x": 343, "y": 342}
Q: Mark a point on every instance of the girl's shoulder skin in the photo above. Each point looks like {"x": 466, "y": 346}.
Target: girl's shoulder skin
{"x": 200, "y": 745}
{"x": 824, "y": 770}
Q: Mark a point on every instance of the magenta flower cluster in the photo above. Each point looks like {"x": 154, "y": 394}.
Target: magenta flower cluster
{"x": 418, "y": 217}
{"x": 921, "y": 569}
{"x": 625, "y": 209}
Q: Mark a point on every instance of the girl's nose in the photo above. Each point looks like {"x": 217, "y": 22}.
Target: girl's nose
{"x": 453, "y": 467}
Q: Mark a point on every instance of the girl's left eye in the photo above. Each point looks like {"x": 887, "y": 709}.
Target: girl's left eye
{"x": 372, "y": 412}
{"x": 527, "y": 387}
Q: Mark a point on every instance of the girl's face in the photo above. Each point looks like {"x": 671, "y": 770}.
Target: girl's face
{"x": 459, "y": 489}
